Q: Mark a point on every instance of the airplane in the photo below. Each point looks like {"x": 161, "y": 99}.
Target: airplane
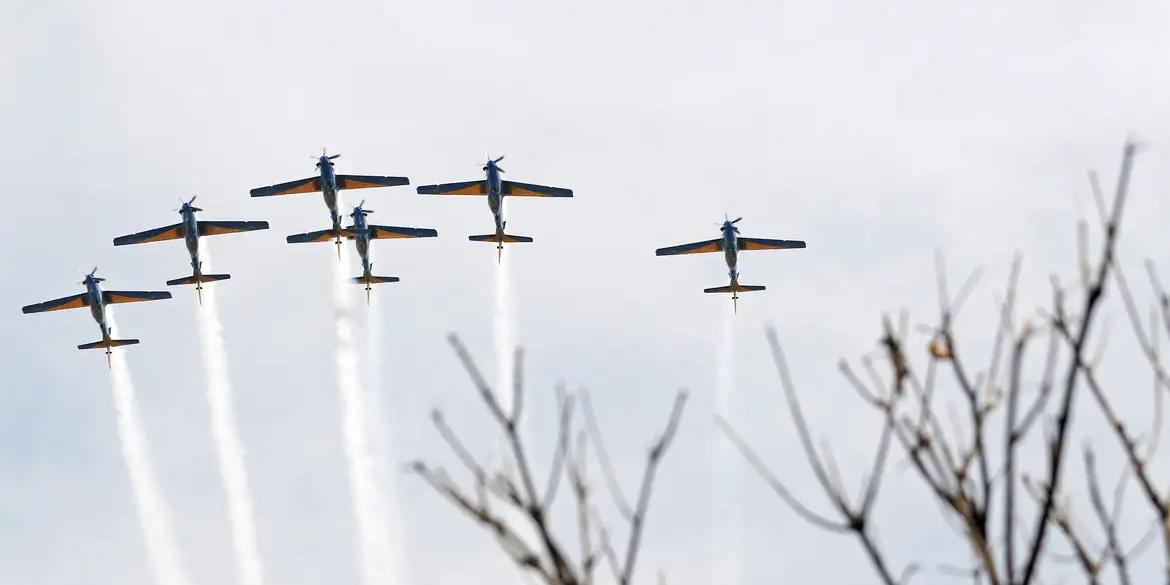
{"x": 190, "y": 229}
{"x": 730, "y": 244}
{"x": 361, "y": 233}
{"x": 328, "y": 183}
{"x": 496, "y": 189}
{"x": 97, "y": 299}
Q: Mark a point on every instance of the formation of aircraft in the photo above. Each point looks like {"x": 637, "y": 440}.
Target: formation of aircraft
{"x": 190, "y": 229}
{"x": 496, "y": 188}
{"x": 329, "y": 184}
{"x": 730, "y": 243}
{"x": 97, "y": 299}
{"x": 361, "y": 233}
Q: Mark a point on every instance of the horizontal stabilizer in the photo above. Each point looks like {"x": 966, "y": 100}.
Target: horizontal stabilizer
{"x": 500, "y": 238}
{"x": 374, "y": 279}
{"x": 108, "y": 343}
{"x": 200, "y": 278}
{"x": 734, "y": 288}
{"x": 321, "y": 236}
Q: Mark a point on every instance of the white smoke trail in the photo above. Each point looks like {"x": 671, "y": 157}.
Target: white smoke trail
{"x": 505, "y": 341}
{"x": 229, "y": 450}
{"x": 374, "y": 540}
{"x": 382, "y": 449}
{"x": 153, "y": 515}
{"x": 725, "y": 565}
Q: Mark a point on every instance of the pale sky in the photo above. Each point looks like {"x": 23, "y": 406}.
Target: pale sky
{"x": 877, "y": 132}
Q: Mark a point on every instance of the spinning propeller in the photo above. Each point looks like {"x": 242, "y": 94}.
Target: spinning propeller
{"x": 91, "y": 274}
{"x": 493, "y": 162}
{"x": 183, "y": 204}
{"x": 324, "y": 155}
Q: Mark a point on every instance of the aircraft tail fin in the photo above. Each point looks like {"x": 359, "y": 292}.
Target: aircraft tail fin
{"x": 108, "y": 343}
{"x": 198, "y": 279}
{"x": 500, "y": 238}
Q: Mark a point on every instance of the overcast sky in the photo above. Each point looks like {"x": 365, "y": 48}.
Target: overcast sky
{"x": 877, "y": 132}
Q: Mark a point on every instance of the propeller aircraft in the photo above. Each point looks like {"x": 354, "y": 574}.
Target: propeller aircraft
{"x": 731, "y": 243}
{"x": 495, "y": 188}
{"x": 361, "y": 233}
{"x": 190, "y": 229}
{"x": 97, "y": 299}
{"x": 329, "y": 184}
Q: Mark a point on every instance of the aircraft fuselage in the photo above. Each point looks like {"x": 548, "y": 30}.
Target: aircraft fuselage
{"x": 97, "y": 308}
{"x": 730, "y": 250}
{"x": 361, "y": 239}
{"x": 191, "y": 236}
{"x": 329, "y": 190}
{"x": 495, "y": 194}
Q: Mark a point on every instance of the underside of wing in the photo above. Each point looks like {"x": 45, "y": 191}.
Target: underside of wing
{"x": 464, "y": 188}
{"x": 113, "y": 297}
{"x": 369, "y": 181}
{"x": 170, "y": 232}
{"x": 529, "y": 190}
{"x": 71, "y": 302}
{"x": 321, "y": 236}
{"x": 384, "y": 232}
{"x": 309, "y": 185}
{"x": 763, "y": 244}
{"x": 693, "y": 248}
{"x": 214, "y": 228}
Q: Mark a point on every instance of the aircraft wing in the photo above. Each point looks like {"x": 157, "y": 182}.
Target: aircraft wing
{"x": 383, "y": 232}
{"x": 465, "y": 188}
{"x": 70, "y": 302}
{"x": 368, "y": 181}
{"x": 214, "y": 228}
{"x": 529, "y": 190}
{"x": 321, "y": 236}
{"x": 762, "y": 244}
{"x": 170, "y": 232}
{"x": 694, "y": 248}
{"x": 290, "y": 188}
{"x": 113, "y": 297}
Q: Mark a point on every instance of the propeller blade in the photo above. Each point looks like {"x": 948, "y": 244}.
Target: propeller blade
{"x": 737, "y": 220}
{"x": 499, "y": 159}
{"x": 331, "y": 157}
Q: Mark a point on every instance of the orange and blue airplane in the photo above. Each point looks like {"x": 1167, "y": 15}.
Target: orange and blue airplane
{"x": 361, "y": 233}
{"x": 496, "y": 189}
{"x": 730, "y": 243}
{"x": 328, "y": 183}
{"x": 97, "y": 299}
{"x": 190, "y": 229}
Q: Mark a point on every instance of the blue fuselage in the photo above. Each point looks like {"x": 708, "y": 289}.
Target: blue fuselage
{"x": 97, "y": 308}
{"x": 329, "y": 190}
{"x": 191, "y": 236}
{"x": 361, "y": 238}
{"x": 495, "y": 194}
{"x": 730, "y": 249}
